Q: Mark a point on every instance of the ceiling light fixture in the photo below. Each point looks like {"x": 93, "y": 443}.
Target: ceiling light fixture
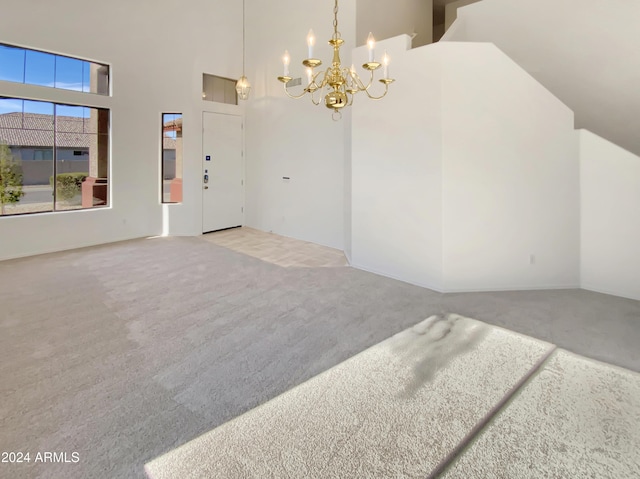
{"x": 243, "y": 87}
{"x": 341, "y": 84}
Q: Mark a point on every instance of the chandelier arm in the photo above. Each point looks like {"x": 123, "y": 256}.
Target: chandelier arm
{"x": 325, "y": 80}
{"x": 350, "y": 96}
{"x": 313, "y": 99}
{"x": 313, "y": 81}
{"x": 358, "y": 81}
{"x": 295, "y": 97}
{"x": 370, "y": 82}
{"x": 386, "y": 89}
{"x": 346, "y": 73}
{"x": 361, "y": 86}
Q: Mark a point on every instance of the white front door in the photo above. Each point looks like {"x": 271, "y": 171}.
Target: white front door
{"x": 222, "y": 172}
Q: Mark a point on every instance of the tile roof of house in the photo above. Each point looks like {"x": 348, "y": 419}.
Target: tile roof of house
{"x": 44, "y": 139}
{"x": 36, "y": 130}
{"x": 173, "y": 125}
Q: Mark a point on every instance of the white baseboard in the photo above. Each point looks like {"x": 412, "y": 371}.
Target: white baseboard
{"x": 71, "y": 247}
{"x": 494, "y": 289}
{"x": 619, "y": 294}
{"x": 415, "y": 283}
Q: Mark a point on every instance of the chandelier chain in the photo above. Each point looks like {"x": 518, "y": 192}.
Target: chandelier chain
{"x": 243, "y": 37}
{"x": 243, "y": 87}
{"x": 336, "y": 34}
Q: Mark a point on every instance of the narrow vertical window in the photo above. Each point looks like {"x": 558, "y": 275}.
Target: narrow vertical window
{"x": 171, "y": 158}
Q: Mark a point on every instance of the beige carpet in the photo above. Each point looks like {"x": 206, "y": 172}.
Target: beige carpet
{"x": 398, "y": 409}
{"x": 125, "y": 352}
{"x": 577, "y": 418}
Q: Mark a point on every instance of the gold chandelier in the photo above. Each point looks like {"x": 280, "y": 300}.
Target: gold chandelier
{"x": 341, "y": 84}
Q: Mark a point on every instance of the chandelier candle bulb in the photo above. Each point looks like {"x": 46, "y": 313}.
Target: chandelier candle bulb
{"x": 311, "y": 41}
{"x": 309, "y": 75}
{"x": 385, "y": 63}
{"x": 286, "y": 59}
{"x": 371, "y": 44}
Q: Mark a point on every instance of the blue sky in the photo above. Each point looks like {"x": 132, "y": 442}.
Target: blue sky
{"x": 44, "y": 69}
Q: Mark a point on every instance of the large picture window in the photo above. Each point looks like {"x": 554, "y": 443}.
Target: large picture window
{"x": 53, "y": 157}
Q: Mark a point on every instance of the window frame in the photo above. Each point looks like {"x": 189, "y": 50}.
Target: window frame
{"x": 162, "y": 161}
{"x": 73, "y": 98}
{"x": 55, "y": 56}
{"x": 227, "y": 82}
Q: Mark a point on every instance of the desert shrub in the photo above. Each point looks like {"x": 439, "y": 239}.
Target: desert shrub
{"x": 10, "y": 178}
{"x": 68, "y": 185}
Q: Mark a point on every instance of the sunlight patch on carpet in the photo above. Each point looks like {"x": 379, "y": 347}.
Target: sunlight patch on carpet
{"x": 398, "y": 409}
{"x": 575, "y": 418}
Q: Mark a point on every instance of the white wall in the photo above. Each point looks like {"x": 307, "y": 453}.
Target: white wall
{"x": 387, "y": 19}
{"x": 157, "y": 51}
{"x": 584, "y": 51}
{"x": 466, "y": 169}
{"x": 610, "y": 217}
{"x": 348, "y": 181}
{"x": 293, "y": 138}
{"x": 510, "y": 180}
{"x": 397, "y": 170}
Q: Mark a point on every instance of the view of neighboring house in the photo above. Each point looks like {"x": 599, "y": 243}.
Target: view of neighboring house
{"x": 31, "y": 139}
{"x": 168, "y": 158}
